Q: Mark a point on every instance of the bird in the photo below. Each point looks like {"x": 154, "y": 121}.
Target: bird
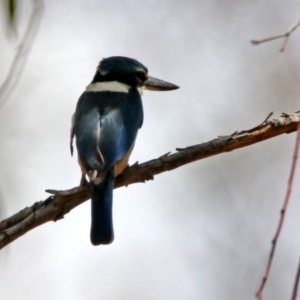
{"x": 105, "y": 124}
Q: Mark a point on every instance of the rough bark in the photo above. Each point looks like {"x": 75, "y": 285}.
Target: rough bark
{"x": 61, "y": 202}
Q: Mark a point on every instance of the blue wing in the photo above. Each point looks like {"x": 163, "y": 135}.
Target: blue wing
{"x": 105, "y": 127}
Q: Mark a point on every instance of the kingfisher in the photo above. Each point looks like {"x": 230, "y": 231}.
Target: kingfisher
{"x": 107, "y": 118}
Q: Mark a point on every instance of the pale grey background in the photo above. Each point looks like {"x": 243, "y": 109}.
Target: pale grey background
{"x": 200, "y": 232}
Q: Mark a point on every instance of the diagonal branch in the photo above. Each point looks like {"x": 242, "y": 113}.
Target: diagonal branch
{"x": 55, "y": 207}
{"x": 283, "y": 210}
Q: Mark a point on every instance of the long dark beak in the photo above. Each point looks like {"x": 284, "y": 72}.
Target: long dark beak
{"x": 154, "y": 84}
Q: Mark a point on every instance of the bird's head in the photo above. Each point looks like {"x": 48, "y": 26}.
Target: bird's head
{"x": 130, "y": 72}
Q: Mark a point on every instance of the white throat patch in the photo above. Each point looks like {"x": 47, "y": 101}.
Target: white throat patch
{"x": 141, "y": 89}
{"x": 108, "y": 86}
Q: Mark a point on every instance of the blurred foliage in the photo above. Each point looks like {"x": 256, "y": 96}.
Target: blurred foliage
{"x": 10, "y": 10}
{"x": 11, "y": 6}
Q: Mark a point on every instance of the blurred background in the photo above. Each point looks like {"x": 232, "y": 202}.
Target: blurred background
{"x": 203, "y": 231}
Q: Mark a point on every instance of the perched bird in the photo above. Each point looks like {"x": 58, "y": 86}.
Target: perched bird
{"x": 107, "y": 118}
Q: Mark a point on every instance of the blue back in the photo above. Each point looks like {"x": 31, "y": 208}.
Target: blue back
{"x": 119, "y": 116}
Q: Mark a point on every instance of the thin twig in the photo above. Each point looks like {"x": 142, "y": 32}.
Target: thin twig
{"x": 23, "y": 51}
{"x": 296, "y": 284}
{"x": 282, "y": 215}
{"x": 285, "y": 35}
{"x": 56, "y": 207}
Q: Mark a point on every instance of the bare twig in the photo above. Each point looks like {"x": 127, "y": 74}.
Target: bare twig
{"x": 23, "y": 50}
{"x": 296, "y": 284}
{"x": 282, "y": 215}
{"x": 285, "y": 35}
{"x": 55, "y": 207}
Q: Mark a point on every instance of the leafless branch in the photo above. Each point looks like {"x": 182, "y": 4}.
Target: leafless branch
{"x": 282, "y": 215}
{"x": 285, "y": 35}
{"x": 23, "y": 50}
{"x": 55, "y": 207}
{"x": 296, "y": 284}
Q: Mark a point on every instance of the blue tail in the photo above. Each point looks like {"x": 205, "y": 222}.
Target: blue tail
{"x": 102, "y": 231}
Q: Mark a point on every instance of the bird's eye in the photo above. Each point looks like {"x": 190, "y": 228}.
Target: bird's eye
{"x": 141, "y": 75}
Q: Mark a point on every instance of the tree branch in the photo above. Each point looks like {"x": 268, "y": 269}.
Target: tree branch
{"x": 55, "y": 207}
{"x": 259, "y": 294}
